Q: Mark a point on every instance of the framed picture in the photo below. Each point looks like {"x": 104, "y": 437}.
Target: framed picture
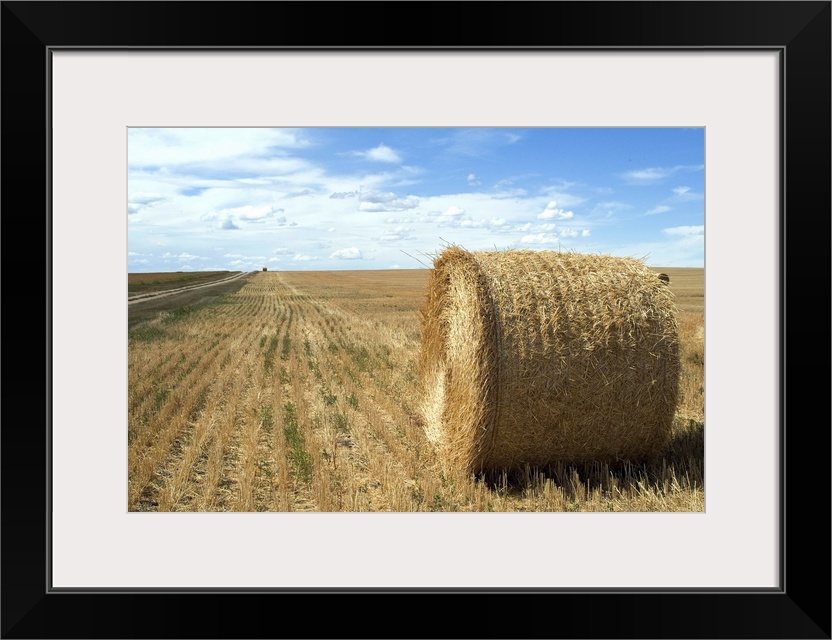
{"x": 78, "y": 77}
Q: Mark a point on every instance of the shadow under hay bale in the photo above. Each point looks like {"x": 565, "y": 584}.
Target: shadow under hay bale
{"x": 682, "y": 460}
{"x": 533, "y": 358}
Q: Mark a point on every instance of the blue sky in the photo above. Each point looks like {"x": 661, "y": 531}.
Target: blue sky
{"x": 359, "y": 198}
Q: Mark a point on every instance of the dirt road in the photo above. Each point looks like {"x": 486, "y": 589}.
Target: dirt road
{"x": 143, "y": 297}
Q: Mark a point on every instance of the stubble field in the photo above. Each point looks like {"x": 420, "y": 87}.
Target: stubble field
{"x": 298, "y": 391}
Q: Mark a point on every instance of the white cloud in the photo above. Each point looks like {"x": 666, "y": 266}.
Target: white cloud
{"x": 552, "y": 212}
{"x": 472, "y": 180}
{"x": 662, "y": 208}
{"x": 166, "y": 147}
{"x": 187, "y": 257}
{"x": 303, "y": 258}
{"x": 251, "y": 213}
{"x": 143, "y": 199}
{"x": 685, "y": 194}
{"x": 382, "y": 202}
{"x": 399, "y": 233}
{"x": 552, "y": 237}
{"x": 652, "y": 175}
{"x": 688, "y": 231}
{"x": 528, "y": 226}
{"x": 228, "y": 223}
{"x": 453, "y": 211}
{"x": 539, "y": 238}
{"x": 381, "y": 153}
{"x": 563, "y": 199}
{"x": 349, "y": 253}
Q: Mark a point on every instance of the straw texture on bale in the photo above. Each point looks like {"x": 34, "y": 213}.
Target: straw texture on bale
{"x": 538, "y": 357}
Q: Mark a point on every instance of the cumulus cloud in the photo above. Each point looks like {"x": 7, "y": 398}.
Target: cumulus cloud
{"x": 453, "y": 211}
{"x": 662, "y": 208}
{"x": 302, "y": 257}
{"x": 495, "y": 224}
{"x": 382, "y": 202}
{"x": 528, "y": 226}
{"x": 539, "y": 238}
{"x": 552, "y": 212}
{"x": 381, "y": 153}
{"x": 553, "y": 235}
{"x": 282, "y": 251}
{"x": 228, "y": 223}
{"x": 348, "y": 253}
{"x": 340, "y": 195}
{"x": 472, "y": 180}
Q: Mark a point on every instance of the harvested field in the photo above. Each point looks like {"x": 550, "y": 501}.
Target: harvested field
{"x": 299, "y": 391}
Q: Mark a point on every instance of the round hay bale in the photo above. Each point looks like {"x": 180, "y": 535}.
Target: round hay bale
{"x": 537, "y": 357}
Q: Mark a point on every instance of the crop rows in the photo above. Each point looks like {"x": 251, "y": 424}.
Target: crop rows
{"x": 299, "y": 393}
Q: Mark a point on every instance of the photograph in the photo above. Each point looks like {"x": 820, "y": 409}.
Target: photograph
{"x": 416, "y": 319}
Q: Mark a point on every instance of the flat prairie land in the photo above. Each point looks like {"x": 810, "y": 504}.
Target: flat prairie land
{"x": 298, "y": 391}
{"x": 688, "y": 285}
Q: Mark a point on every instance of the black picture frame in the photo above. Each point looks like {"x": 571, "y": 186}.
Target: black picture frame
{"x": 800, "y": 608}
